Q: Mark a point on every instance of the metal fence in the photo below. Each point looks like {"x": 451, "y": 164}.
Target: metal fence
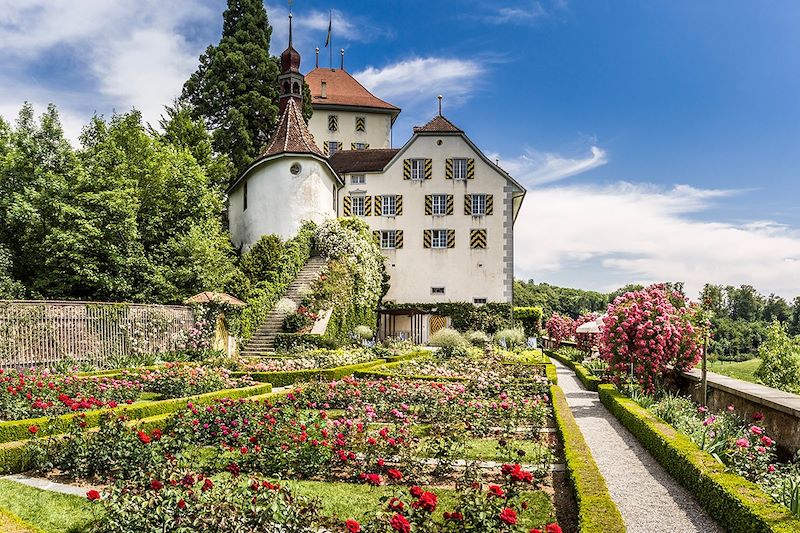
{"x": 45, "y": 332}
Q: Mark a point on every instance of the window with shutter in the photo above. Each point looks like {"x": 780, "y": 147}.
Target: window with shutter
{"x": 451, "y": 238}
{"x": 358, "y": 206}
{"x": 439, "y": 238}
{"x": 368, "y": 206}
{"x": 478, "y": 205}
{"x": 388, "y": 206}
{"x": 347, "y": 206}
{"x": 470, "y": 169}
{"x": 398, "y": 204}
{"x": 439, "y": 204}
{"x": 489, "y": 204}
{"x": 428, "y": 169}
{"x": 398, "y": 238}
{"x": 389, "y": 239}
{"x": 417, "y": 169}
{"x": 467, "y": 204}
{"x": 459, "y": 169}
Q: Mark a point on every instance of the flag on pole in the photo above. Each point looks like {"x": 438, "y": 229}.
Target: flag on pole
{"x": 330, "y": 20}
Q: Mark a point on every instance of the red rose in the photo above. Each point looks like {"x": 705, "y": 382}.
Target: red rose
{"x": 181, "y": 504}
{"x": 33, "y": 429}
{"x": 394, "y": 473}
{"x": 156, "y": 485}
{"x": 496, "y": 490}
{"x": 552, "y": 528}
{"x": 353, "y": 526}
{"x": 399, "y": 523}
{"x": 427, "y": 501}
{"x": 207, "y": 484}
{"x": 415, "y": 491}
{"x": 93, "y": 495}
{"x": 143, "y": 437}
{"x": 508, "y": 515}
{"x": 396, "y": 504}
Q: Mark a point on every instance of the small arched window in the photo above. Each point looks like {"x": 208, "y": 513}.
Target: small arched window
{"x": 296, "y": 88}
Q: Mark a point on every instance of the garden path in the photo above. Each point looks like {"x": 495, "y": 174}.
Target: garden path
{"x": 46, "y": 484}
{"x": 648, "y": 498}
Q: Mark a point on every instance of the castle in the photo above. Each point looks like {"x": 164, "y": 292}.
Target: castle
{"x": 442, "y": 211}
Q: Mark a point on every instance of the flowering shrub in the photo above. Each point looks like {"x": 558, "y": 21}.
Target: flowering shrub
{"x": 652, "y": 330}
{"x": 309, "y": 360}
{"x": 559, "y": 328}
{"x": 176, "y": 380}
{"x": 449, "y": 341}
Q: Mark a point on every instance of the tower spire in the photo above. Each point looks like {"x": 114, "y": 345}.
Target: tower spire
{"x": 290, "y": 80}
{"x": 290, "y": 27}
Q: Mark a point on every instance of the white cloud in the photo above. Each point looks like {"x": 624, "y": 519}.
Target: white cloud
{"x": 421, "y": 78}
{"x": 536, "y": 168}
{"x": 133, "y": 52}
{"x": 644, "y": 234}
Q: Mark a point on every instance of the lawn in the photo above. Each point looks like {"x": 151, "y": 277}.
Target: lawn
{"x": 49, "y": 511}
{"x": 743, "y": 370}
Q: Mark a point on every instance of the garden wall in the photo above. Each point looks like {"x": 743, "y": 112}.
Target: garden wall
{"x": 43, "y": 332}
{"x": 781, "y": 409}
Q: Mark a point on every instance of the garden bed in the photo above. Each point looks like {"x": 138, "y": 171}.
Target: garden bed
{"x": 480, "y": 450}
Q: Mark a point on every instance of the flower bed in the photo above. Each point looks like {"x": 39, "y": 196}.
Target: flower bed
{"x": 737, "y": 504}
{"x": 308, "y": 361}
{"x": 395, "y": 432}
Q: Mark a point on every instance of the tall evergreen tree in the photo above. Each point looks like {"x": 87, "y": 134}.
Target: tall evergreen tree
{"x": 235, "y": 87}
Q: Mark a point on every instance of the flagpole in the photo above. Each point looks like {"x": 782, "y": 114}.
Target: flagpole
{"x": 330, "y": 40}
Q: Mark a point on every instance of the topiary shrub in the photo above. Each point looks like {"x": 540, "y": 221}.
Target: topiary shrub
{"x": 477, "y": 338}
{"x": 363, "y": 333}
{"x": 530, "y": 318}
{"x": 510, "y": 337}
{"x": 449, "y": 341}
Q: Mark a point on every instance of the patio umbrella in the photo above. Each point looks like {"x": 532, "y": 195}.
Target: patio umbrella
{"x": 591, "y": 327}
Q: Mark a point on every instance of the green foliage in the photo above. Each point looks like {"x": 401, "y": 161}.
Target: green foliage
{"x": 467, "y": 316}
{"x": 552, "y": 299}
{"x": 737, "y": 504}
{"x": 780, "y": 359}
{"x": 152, "y": 204}
{"x": 235, "y": 87}
{"x": 9, "y": 287}
{"x": 597, "y": 512}
{"x": 268, "y": 270}
{"x": 477, "y": 338}
{"x": 294, "y": 322}
{"x": 530, "y": 318}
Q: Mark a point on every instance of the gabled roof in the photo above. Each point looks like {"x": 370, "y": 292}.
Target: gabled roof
{"x": 291, "y": 134}
{"x": 343, "y": 89}
{"x": 438, "y": 124}
{"x": 370, "y": 160}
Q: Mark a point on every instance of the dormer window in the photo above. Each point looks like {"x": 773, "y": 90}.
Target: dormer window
{"x": 333, "y": 147}
{"x": 358, "y": 179}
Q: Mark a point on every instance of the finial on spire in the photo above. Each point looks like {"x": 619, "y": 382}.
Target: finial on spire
{"x": 440, "y": 104}
{"x": 290, "y": 26}
{"x": 317, "y": 51}
{"x": 342, "y": 67}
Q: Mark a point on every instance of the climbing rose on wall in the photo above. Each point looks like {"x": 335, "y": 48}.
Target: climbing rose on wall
{"x": 559, "y": 328}
{"x": 651, "y": 328}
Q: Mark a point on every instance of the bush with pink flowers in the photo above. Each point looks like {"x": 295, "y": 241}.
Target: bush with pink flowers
{"x": 559, "y": 328}
{"x": 651, "y": 330}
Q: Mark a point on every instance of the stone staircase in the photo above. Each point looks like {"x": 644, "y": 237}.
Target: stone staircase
{"x": 263, "y": 339}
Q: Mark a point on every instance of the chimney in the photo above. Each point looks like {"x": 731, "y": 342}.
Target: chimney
{"x": 324, "y": 93}
{"x": 342, "y": 67}
{"x": 317, "y": 50}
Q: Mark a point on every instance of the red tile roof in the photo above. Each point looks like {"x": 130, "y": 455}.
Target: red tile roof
{"x": 438, "y": 124}
{"x": 342, "y": 89}
{"x": 291, "y": 134}
{"x": 372, "y": 160}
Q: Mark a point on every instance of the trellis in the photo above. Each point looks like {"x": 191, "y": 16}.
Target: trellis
{"x": 45, "y": 332}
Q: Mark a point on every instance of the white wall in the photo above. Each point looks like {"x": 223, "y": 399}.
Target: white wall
{"x": 464, "y": 272}
{"x": 278, "y": 201}
{"x": 378, "y": 133}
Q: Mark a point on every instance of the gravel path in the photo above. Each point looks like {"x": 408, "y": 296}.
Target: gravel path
{"x": 52, "y": 486}
{"x": 648, "y": 498}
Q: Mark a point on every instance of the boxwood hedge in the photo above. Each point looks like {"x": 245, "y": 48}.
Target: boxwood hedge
{"x": 737, "y": 504}
{"x": 597, "y": 512}
{"x": 281, "y": 379}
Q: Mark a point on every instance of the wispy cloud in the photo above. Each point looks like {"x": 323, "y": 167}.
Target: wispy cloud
{"x": 643, "y": 233}
{"x": 536, "y": 168}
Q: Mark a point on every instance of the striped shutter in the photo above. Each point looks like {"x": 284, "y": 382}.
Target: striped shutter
{"x": 449, "y": 204}
{"x": 333, "y": 122}
{"x": 378, "y": 205}
{"x": 489, "y": 204}
{"x": 361, "y": 123}
{"x": 352, "y": 146}
{"x": 428, "y": 169}
{"x": 398, "y": 238}
{"x": 367, "y": 206}
{"x": 347, "y": 208}
{"x": 426, "y": 238}
{"x": 398, "y": 204}
{"x": 339, "y": 147}
{"x": 376, "y": 234}
{"x": 451, "y": 238}
{"x": 448, "y": 169}
{"x": 325, "y": 148}
{"x": 477, "y": 238}
{"x": 468, "y": 204}
{"x": 406, "y": 169}
{"x": 470, "y": 169}
{"x": 429, "y": 204}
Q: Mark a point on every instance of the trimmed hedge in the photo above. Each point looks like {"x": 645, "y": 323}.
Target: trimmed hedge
{"x": 551, "y": 373}
{"x": 282, "y": 379}
{"x": 589, "y": 380}
{"x": 597, "y": 512}
{"x": 14, "y": 430}
{"x": 736, "y": 503}
{"x": 408, "y": 356}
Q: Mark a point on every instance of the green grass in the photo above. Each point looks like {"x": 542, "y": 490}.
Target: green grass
{"x": 740, "y": 370}
{"x": 361, "y": 502}
{"x": 49, "y": 511}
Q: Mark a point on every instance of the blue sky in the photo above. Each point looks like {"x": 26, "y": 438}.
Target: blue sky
{"x": 658, "y": 139}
